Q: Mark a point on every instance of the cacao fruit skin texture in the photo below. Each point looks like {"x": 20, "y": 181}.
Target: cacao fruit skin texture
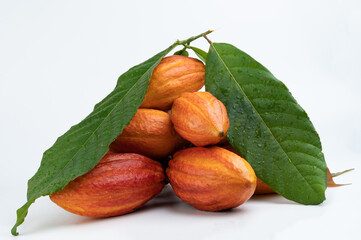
{"x": 261, "y": 187}
{"x": 149, "y": 133}
{"x": 211, "y": 179}
{"x": 200, "y": 118}
{"x": 118, "y": 184}
{"x": 173, "y": 76}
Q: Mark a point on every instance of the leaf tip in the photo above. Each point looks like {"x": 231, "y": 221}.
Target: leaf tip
{"x": 14, "y": 231}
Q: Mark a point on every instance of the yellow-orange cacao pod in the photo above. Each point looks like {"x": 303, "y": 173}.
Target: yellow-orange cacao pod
{"x": 150, "y": 133}
{"x": 211, "y": 179}
{"x": 200, "y": 118}
{"x": 261, "y": 187}
{"x": 173, "y": 76}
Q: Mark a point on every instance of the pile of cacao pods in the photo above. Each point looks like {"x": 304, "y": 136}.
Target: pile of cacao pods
{"x": 178, "y": 134}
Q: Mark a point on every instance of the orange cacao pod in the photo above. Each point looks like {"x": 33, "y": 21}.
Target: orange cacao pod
{"x": 118, "y": 184}
{"x": 173, "y": 76}
{"x": 211, "y": 179}
{"x": 150, "y": 133}
{"x": 200, "y": 118}
{"x": 261, "y": 187}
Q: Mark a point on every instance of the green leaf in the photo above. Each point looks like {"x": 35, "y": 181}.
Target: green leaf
{"x": 83, "y": 145}
{"x": 182, "y": 52}
{"x": 267, "y": 126}
{"x": 200, "y": 53}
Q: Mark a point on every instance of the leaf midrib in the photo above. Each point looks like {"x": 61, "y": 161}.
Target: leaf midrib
{"x": 261, "y": 117}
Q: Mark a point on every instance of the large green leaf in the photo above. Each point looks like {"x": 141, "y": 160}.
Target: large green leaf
{"x": 267, "y": 126}
{"x": 83, "y": 145}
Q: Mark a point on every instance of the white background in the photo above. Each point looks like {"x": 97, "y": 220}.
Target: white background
{"x": 59, "y": 58}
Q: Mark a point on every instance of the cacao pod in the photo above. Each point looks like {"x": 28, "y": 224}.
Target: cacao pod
{"x": 173, "y": 76}
{"x": 200, "y": 118}
{"x": 211, "y": 179}
{"x": 149, "y": 133}
{"x": 261, "y": 187}
{"x": 118, "y": 184}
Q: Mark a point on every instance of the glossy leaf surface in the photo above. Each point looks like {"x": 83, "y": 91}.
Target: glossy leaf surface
{"x": 267, "y": 126}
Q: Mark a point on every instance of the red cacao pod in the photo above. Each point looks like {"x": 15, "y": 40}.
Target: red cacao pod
{"x": 118, "y": 184}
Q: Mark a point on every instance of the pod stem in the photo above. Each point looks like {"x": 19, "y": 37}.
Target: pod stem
{"x": 189, "y": 40}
